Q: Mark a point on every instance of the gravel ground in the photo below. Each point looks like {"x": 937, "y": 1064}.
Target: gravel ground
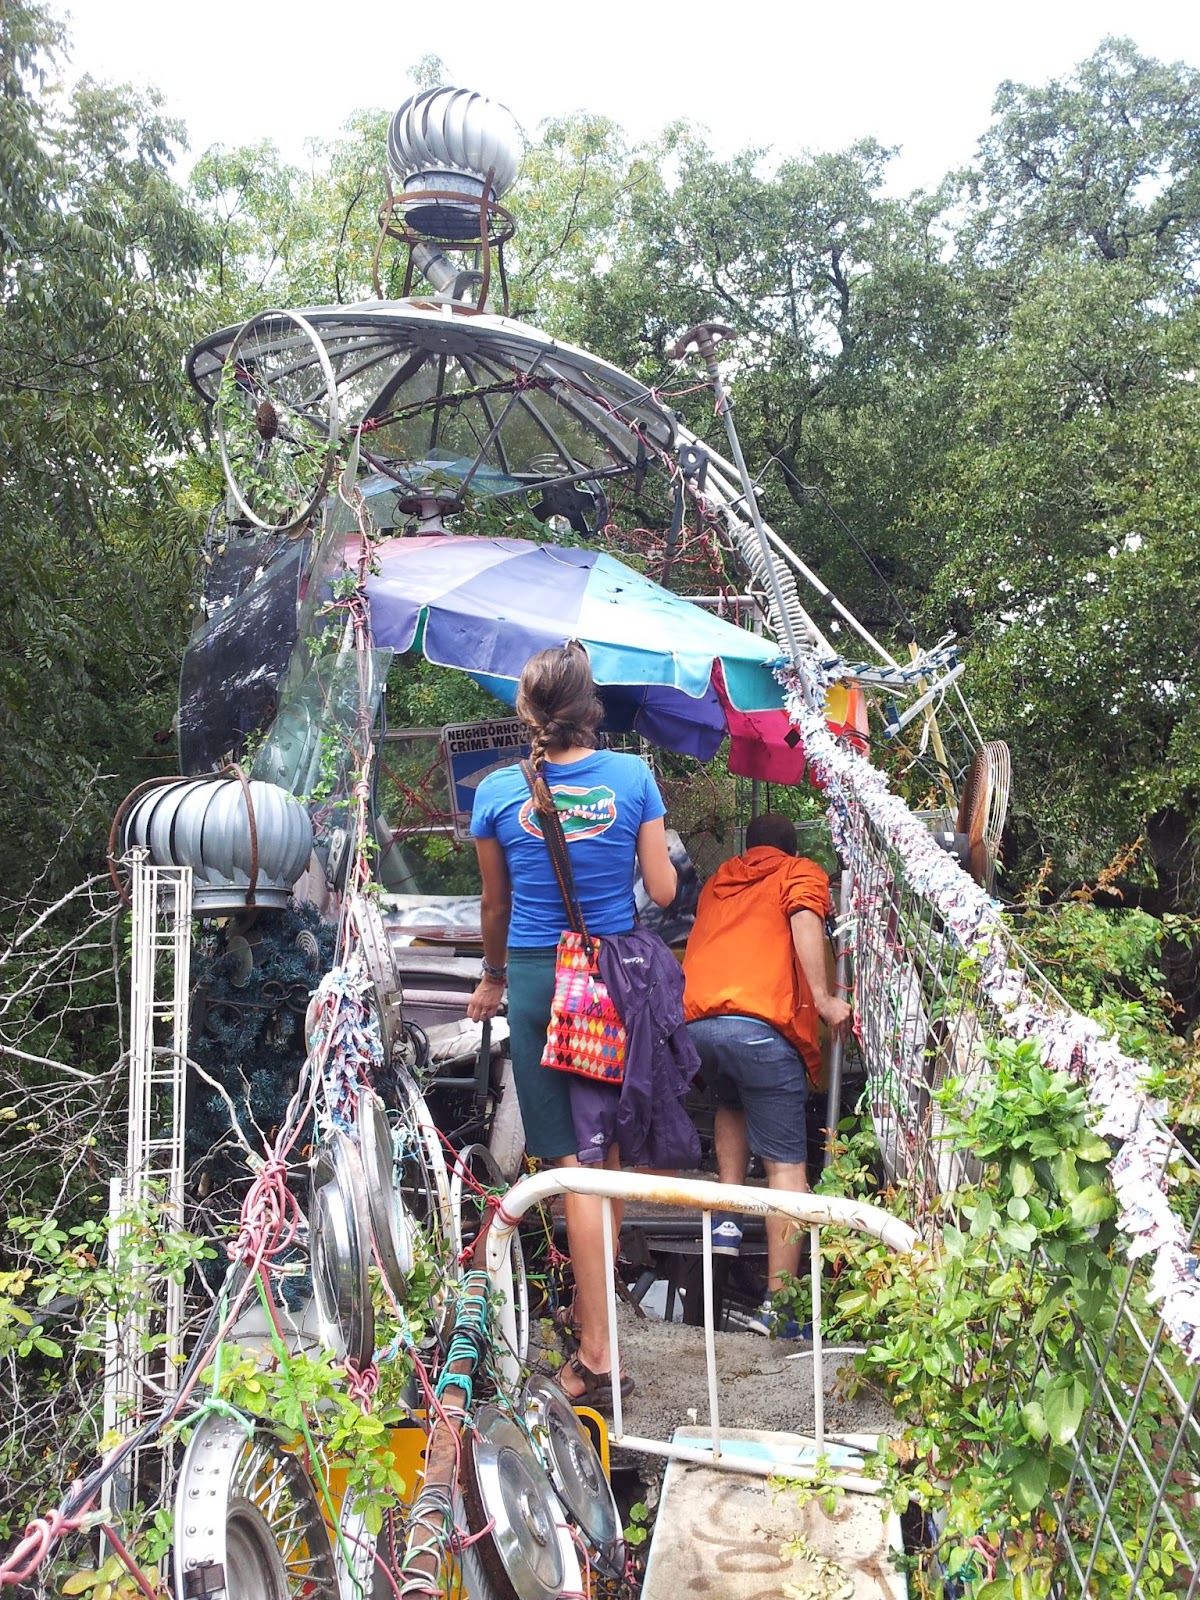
{"x": 759, "y": 1386}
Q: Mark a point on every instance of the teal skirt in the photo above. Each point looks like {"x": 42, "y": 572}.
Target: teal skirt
{"x": 544, "y": 1094}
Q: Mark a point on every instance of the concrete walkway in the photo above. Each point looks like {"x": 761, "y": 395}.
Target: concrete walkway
{"x": 732, "y": 1537}
{"x": 764, "y": 1383}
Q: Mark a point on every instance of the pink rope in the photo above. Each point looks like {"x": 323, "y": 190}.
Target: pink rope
{"x": 40, "y": 1537}
{"x": 362, "y": 1382}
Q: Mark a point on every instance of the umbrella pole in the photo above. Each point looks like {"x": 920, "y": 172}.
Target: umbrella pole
{"x": 704, "y": 336}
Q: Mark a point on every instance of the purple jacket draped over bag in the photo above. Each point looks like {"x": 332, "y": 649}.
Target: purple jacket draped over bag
{"x": 645, "y": 1117}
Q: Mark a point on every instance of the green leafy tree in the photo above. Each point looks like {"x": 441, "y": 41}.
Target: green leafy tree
{"x": 292, "y": 236}
{"x": 101, "y": 253}
{"x": 1104, "y": 161}
{"x": 844, "y": 312}
{"x": 1062, "y": 511}
{"x": 580, "y": 196}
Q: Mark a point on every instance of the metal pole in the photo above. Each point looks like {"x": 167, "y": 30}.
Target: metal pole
{"x": 843, "y": 980}
{"x": 705, "y": 336}
{"x": 716, "y": 477}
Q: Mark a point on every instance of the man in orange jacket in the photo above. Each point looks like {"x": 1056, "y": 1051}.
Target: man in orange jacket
{"x": 755, "y": 986}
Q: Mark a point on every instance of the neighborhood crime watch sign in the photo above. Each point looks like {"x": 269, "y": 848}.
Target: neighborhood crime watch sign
{"x": 472, "y": 750}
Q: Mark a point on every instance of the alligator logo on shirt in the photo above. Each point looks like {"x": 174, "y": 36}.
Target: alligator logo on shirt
{"x": 585, "y": 813}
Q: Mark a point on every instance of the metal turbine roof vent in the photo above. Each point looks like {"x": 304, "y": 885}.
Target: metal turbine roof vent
{"x": 247, "y": 843}
{"x": 444, "y": 143}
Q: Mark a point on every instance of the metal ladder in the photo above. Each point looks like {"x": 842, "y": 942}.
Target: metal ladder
{"x": 143, "y": 1351}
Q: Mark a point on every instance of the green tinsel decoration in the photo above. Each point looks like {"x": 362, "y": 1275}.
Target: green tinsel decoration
{"x": 249, "y": 1037}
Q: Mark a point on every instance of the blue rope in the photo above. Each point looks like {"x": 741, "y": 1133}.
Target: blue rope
{"x": 469, "y": 1341}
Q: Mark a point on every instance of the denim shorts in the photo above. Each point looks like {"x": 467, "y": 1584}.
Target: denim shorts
{"x": 753, "y": 1068}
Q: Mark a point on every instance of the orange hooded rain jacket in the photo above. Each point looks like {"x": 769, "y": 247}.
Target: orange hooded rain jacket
{"x": 740, "y": 959}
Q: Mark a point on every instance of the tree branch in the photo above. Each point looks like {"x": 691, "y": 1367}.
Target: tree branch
{"x": 59, "y": 1066}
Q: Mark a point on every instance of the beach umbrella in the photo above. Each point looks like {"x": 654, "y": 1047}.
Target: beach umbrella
{"x": 666, "y": 668}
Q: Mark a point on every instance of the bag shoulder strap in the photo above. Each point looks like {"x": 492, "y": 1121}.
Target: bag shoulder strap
{"x": 556, "y": 843}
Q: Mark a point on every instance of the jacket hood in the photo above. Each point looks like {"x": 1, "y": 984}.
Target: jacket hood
{"x": 752, "y": 867}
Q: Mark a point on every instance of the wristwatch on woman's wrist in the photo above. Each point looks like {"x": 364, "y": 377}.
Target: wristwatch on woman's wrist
{"x": 489, "y": 971}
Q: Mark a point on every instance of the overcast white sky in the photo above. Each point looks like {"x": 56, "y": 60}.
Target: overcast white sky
{"x": 790, "y": 76}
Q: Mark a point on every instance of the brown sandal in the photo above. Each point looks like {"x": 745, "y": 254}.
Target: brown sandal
{"x": 597, "y": 1386}
{"x": 567, "y": 1328}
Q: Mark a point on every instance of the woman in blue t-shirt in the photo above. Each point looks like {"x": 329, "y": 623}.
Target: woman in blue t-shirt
{"x": 612, "y": 815}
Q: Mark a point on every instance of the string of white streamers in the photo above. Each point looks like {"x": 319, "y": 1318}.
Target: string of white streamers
{"x": 1069, "y": 1042}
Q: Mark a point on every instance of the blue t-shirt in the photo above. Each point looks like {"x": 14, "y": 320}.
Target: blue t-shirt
{"x": 603, "y": 801}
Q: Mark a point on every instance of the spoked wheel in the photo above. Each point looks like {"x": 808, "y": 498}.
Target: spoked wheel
{"x": 476, "y": 1176}
{"x": 381, "y": 969}
{"x": 246, "y": 1511}
{"x": 391, "y": 1225}
{"x": 983, "y": 810}
{"x": 359, "y": 1572}
{"x": 421, "y": 1174}
{"x": 277, "y": 420}
{"x": 423, "y": 1186}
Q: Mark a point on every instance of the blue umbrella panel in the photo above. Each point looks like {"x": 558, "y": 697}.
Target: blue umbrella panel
{"x": 666, "y": 669}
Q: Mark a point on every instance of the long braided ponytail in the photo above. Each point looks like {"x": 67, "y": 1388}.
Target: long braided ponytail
{"x": 543, "y": 800}
{"x": 557, "y": 702}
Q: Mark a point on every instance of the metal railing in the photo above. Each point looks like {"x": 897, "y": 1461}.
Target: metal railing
{"x": 810, "y": 1211}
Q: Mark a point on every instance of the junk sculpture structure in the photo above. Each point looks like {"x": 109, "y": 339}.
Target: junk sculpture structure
{"x": 380, "y": 460}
